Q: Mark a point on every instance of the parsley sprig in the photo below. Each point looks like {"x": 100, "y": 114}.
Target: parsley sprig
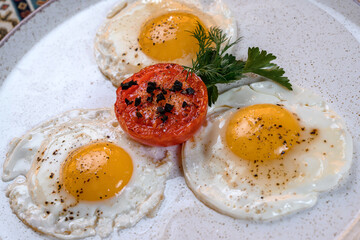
{"x": 213, "y": 65}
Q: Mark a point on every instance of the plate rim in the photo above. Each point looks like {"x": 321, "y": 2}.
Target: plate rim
{"x": 24, "y": 21}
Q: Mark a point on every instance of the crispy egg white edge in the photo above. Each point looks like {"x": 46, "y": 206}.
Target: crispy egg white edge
{"x": 12, "y": 167}
{"x": 108, "y": 59}
{"x": 266, "y": 88}
{"x": 20, "y": 172}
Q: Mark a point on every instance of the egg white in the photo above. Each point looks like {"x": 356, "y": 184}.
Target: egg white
{"x": 222, "y": 180}
{"x": 35, "y": 196}
{"x": 117, "y": 50}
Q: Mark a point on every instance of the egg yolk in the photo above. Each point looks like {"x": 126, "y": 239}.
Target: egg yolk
{"x": 96, "y": 171}
{"x": 262, "y": 132}
{"x": 168, "y": 36}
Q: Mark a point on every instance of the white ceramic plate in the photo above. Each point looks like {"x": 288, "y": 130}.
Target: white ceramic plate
{"x": 48, "y": 67}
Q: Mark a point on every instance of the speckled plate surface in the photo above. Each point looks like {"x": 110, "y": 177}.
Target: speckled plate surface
{"x": 48, "y": 67}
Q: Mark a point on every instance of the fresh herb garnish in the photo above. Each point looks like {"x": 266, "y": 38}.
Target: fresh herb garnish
{"x": 213, "y": 65}
{"x": 260, "y": 63}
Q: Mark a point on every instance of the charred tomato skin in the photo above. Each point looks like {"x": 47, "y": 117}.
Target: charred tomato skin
{"x": 161, "y": 105}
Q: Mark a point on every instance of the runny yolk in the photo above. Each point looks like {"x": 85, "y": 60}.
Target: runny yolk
{"x": 96, "y": 171}
{"x": 262, "y": 132}
{"x": 168, "y": 36}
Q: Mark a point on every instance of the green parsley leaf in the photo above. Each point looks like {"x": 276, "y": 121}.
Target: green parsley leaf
{"x": 213, "y": 94}
{"x": 260, "y": 63}
{"x": 213, "y": 65}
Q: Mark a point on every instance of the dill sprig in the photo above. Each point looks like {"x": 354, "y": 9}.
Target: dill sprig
{"x": 213, "y": 65}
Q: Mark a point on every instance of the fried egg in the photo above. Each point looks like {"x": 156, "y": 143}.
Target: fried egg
{"x": 79, "y": 175}
{"x": 265, "y": 152}
{"x": 143, "y": 33}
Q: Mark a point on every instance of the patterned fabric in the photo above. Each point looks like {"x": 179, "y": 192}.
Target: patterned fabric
{"x": 13, "y": 11}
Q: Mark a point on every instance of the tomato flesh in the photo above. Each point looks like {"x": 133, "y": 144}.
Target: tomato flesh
{"x": 162, "y": 105}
